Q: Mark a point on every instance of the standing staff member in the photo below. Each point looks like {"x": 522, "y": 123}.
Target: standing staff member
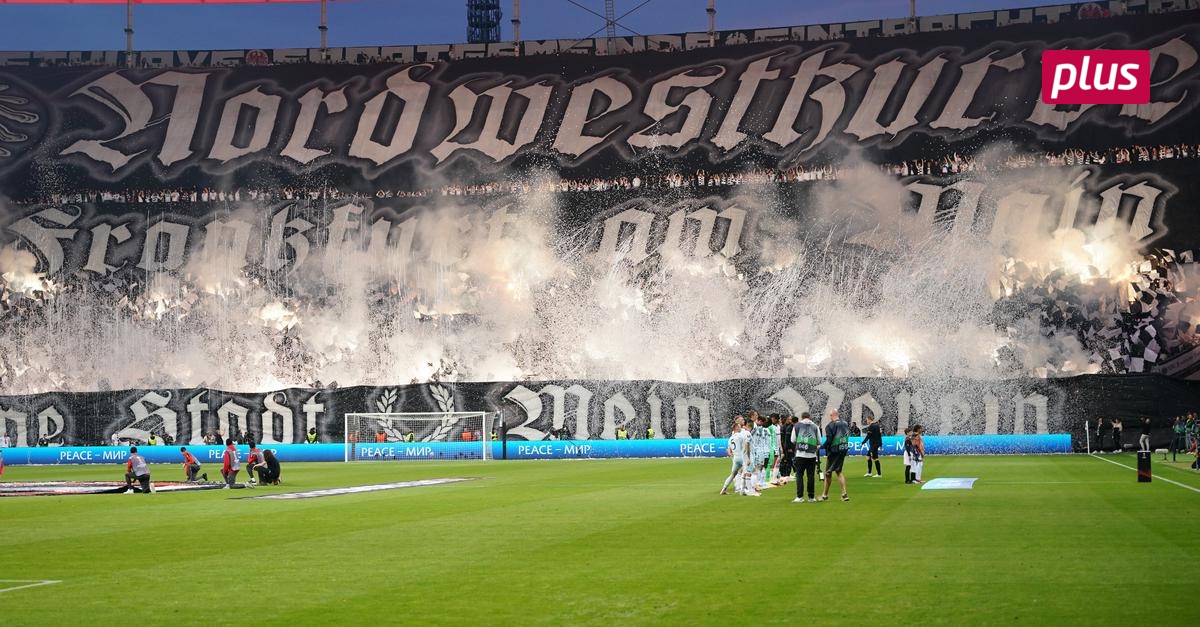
{"x": 807, "y": 439}
{"x": 191, "y": 466}
{"x": 137, "y": 468}
{"x": 873, "y": 438}
{"x": 230, "y": 463}
{"x": 837, "y": 442}
{"x": 907, "y": 454}
{"x": 1178, "y": 438}
{"x": 918, "y": 453}
{"x": 1144, "y": 439}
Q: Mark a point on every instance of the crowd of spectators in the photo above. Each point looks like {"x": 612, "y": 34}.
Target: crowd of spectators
{"x": 1089, "y": 11}
{"x": 956, "y": 163}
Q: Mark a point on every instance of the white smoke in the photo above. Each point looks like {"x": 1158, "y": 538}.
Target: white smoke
{"x": 858, "y": 287}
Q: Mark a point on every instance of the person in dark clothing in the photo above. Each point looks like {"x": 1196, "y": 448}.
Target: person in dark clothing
{"x": 1118, "y": 430}
{"x": 1101, "y": 429}
{"x": 907, "y": 454}
{"x": 1144, "y": 439}
{"x": 837, "y": 443}
{"x": 1178, "y": 437}
{"x": 788, "y": 445}
{"x": 268, "y": 468}
{"x": 873, "y": 438}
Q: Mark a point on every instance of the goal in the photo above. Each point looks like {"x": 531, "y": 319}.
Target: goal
{"x": 422, "y": 436}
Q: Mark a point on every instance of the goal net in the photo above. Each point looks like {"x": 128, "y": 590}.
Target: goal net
{"x": 403, "y": 436}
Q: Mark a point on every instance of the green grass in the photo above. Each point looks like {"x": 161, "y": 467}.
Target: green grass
{"x": 1040, "y": 540}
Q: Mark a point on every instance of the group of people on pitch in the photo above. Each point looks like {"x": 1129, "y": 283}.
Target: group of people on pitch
{"x": 767, "y": 450}
{"x": 260, "y": 461}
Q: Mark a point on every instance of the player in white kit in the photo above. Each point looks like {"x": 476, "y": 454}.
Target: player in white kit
{"x": 760, "y": 448}
{"x": 736, "y": 450}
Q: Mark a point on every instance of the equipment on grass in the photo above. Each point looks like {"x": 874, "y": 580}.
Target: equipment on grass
{"x": 62, "y": 488}
{"x": 414, "y": 436}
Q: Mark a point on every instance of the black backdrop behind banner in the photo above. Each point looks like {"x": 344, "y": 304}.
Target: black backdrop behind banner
{"x": 594, "y": 409}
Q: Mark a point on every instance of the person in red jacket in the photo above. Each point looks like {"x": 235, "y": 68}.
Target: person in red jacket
{"x": 230, "y": 464}
{"x": 191, "y": 466}
{"x": 253, "y": 458}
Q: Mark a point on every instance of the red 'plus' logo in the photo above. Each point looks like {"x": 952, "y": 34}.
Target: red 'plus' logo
{"x": 1096, "y": 76}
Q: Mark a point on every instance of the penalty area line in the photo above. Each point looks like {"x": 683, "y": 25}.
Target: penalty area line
{"x": 29, "y": 583}
{"x": 1182, "y": 485}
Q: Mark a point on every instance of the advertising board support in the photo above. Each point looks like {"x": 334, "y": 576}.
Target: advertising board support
{"x": 1143, "y": 467}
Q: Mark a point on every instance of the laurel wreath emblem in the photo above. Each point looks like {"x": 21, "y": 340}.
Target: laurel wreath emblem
{"x": 14, "y": 118}
{"x": 445, "y": 401}
{"x": 393, "y": 434}
{"x": 387, "y": 400}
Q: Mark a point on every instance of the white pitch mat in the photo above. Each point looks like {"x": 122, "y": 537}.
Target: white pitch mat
{"x": 948, "y": 483}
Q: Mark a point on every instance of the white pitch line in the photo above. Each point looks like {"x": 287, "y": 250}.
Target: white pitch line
{"x": 1182, "y": 485}
{"x": 1054, "y": 482}
{"x": 32, "y": 583}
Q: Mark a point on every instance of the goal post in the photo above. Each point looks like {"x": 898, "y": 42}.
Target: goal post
{"x": 419, "y": 436}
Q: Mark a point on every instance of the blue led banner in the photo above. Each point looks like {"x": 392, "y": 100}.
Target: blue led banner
{"x": 544, "y": 449}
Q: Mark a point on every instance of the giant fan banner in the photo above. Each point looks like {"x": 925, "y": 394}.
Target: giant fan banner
{"x": 896, "y": 225}
{"x": 588, "y": 410}
{"x": 361, "y": 127}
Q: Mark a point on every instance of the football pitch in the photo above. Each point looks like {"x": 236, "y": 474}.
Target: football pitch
{"x": 1067, "y": 539}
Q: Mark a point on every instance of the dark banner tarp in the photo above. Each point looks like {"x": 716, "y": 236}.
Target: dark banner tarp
{"x": 595, "y": 409}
